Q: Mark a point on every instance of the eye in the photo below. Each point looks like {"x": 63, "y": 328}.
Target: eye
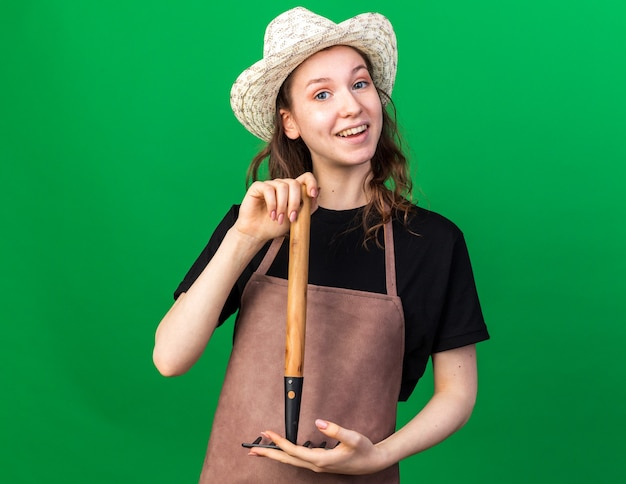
{"x": 322, "y": 96}
{"x": 360, "y": 85}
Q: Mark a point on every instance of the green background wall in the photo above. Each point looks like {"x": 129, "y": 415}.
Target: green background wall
{"x": 119, "y": 154}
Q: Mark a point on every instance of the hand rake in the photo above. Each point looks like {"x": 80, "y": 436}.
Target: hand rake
{"x": 298, "y": 276}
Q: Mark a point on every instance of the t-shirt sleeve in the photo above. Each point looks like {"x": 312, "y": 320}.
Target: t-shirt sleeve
{"x": 462, "y": 321}
{"x": 232, "y": 302}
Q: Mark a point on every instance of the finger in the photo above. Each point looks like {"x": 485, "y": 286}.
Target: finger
{"x": 334, "y": 431}
{"x": 298, "y": 453}
{"x": 311, "y": 184}
{"x": 313, "y": 189}
{"x": 281, "y": 442}
{"x": 264, "y": 191}
{"x": 288, "y": 197}
{"x": 295, "y": 199}
{"x": 289, "y": 453}
{"x": 281, "y": 191}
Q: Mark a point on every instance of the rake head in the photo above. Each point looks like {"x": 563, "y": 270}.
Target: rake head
{"x": 272, "y": 445}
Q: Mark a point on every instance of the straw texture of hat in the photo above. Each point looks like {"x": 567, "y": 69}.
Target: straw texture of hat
{"x": 290, "y": 39}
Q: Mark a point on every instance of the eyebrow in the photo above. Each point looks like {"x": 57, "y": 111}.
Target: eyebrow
{"x": 326, "y": 79}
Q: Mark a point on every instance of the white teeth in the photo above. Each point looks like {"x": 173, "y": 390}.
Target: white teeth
{"x": 352, "y": 131}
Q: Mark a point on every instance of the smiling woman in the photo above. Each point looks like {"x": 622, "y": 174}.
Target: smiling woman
{"x": 390, "y": 285}
{"x": 338, "y": 116}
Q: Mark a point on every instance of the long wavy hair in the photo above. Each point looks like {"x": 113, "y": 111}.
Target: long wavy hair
{"x": 389, "y": 184}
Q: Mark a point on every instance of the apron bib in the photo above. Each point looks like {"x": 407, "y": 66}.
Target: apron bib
{"x": 354, "y": 349}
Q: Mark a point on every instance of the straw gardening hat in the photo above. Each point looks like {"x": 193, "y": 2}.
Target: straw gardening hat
{"x": 290, "y": 39}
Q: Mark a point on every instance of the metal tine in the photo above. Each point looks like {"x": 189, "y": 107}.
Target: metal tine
{"x": 257, "y": 443}
{"x": 272, "y": 445}
{"x": 323, "y": 445}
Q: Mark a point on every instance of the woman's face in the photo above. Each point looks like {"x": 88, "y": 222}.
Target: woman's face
{"x": 335, "y": 108}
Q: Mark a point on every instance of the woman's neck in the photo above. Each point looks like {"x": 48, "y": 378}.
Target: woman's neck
{"x": 342, "y": 190}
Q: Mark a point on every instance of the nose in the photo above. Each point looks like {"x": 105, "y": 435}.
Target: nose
{"x": 350, "y": 105}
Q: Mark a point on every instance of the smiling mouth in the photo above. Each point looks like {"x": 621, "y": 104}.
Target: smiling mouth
{"x": 352, "y": 131}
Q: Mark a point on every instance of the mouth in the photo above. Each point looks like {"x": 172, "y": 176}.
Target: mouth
{"x": 352, "y": 131}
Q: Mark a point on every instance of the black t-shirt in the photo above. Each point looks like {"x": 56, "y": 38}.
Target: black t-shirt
{"x": 433, "y": 272}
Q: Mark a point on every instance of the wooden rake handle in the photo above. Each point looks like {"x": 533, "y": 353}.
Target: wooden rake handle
{"x": 298, "y": 278}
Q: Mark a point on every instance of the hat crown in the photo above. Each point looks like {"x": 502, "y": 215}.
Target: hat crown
{"x": 289, "y": 40}
{"x": 292, "y": 27}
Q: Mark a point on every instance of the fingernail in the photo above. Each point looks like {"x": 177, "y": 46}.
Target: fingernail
{"x": 292, "y": 216}
{"x": 281, "y": 218}
{"x": 314, "y": 193}
{"x": 321, "y": 424}
{"x": 273, "y": 215}
{"x": 264, "y": 434}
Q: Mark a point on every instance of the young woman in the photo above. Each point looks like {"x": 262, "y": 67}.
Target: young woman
{"x": 390, "y": 283}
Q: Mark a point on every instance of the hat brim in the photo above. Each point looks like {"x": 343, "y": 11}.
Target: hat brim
{"x": 253, "y": 95}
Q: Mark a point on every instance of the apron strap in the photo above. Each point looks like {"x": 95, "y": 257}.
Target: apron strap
{"x": 270, "y": 255}
{"x": 390, "y": 260}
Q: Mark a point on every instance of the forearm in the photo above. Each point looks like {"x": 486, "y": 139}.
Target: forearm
{"x": 456, "y": 386}
{"x": 188, "y": 326}
{"x": 444, "y": 414}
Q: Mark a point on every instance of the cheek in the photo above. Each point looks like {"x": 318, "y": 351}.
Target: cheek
{"x": 376, "y": 107}
{"x": 377, "y": 112}
{"x": 314, "y": 120}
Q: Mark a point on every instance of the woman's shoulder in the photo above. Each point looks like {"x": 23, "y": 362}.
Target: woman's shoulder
{"x": 425, "y": 223}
